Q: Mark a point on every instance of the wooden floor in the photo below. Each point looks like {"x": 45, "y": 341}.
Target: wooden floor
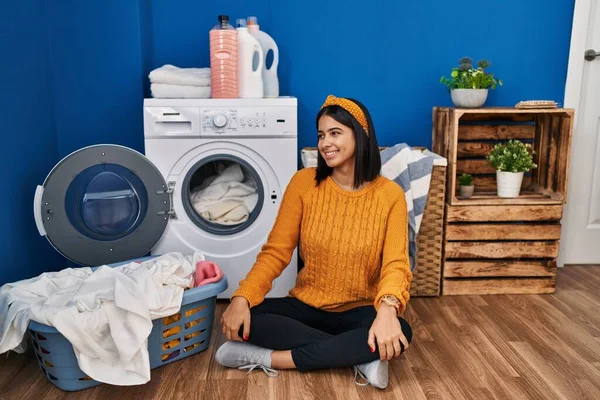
{"x": 465, "y": 347}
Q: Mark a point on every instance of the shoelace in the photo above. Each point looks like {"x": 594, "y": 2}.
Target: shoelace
{"x": 273, "y": 373}
{"x": 358, "y": 373}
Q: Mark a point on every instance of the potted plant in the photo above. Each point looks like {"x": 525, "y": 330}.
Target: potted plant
{"x": 511, "y": 160}
{"x": 468, "y": 85}
{"x": 465, "y": 182}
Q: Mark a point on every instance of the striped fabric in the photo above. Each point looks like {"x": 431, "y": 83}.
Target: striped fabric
{"x": 411, "y": 169}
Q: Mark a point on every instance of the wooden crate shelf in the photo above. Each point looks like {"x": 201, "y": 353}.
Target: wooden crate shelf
{"x": 496, "y": 245}
{"x": 503, "y": 249}
{"x": 466, "y": 136}
{"x": 501, "y": 231}
{"x": 504, "y": 212}
{"x": 499, "y": 268}
{"x": 500, "y": 286}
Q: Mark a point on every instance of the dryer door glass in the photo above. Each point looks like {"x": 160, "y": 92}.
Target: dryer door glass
{"x": 106, "y": 202}
{"x": 223, "y": 194}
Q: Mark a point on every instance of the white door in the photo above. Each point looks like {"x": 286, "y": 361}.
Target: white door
{"x": 580, "y": 242}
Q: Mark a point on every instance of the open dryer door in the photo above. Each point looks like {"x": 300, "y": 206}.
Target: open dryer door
{"x": 103, "y": 204}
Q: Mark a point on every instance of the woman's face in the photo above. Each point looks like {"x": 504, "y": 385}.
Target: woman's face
{"x": 336, "y": 142}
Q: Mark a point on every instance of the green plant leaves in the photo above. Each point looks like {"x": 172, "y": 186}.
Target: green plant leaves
{"x": 467, "y": 77}
{"x": 512, "y": 156}
{"x": 465, "y": 180}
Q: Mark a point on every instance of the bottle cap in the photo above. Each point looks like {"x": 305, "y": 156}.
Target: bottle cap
{"x": 252, "y": 21}
{"x": 241, "y": 23}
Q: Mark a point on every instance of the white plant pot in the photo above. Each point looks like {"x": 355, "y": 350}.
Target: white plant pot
{"x": 469, "y": 98}
{"x": 509, "y": 183}
{"x": 467, "y": 191}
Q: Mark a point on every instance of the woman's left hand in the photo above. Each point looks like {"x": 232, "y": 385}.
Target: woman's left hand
{"x": 387, "y": 333}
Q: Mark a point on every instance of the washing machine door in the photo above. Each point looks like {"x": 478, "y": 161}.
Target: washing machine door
{"x": 103, "y": 204}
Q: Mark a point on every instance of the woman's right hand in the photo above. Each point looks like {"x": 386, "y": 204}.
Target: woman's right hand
{"x": 236, "y": 315}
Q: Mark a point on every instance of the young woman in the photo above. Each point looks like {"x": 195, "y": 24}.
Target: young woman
{"x": 351, "y": 226}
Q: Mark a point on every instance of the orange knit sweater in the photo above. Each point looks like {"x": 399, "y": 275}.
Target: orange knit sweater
{"x": 354, "y": 245}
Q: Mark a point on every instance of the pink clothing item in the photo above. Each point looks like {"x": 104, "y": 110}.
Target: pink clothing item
{"x": 207, "y": 272}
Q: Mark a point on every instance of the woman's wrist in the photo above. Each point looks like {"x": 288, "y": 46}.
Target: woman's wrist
{"x": 387, "y": 309}
{"x": 240, "y": 300}
{"x": 390, "y": 301}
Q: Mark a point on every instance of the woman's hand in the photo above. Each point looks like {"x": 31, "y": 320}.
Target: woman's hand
{"x": 236, "y": 315}
{"x": 387, "y": 333}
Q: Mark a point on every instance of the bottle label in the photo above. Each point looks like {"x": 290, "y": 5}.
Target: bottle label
{"x": 222, "y": 55}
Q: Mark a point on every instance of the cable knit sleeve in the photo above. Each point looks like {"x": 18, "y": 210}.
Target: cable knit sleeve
{"x": 276, "y": 254}
{"x": 396, "y": 275}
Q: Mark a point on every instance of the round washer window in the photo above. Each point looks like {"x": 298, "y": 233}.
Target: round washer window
{"x": 223, "y": 194}
{"x": 106, "y": 202}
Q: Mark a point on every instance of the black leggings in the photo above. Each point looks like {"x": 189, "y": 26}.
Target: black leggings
{"x": 318, "y": 339}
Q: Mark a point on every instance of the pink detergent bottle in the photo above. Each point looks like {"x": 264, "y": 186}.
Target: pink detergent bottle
{"x": 224, "y": 60}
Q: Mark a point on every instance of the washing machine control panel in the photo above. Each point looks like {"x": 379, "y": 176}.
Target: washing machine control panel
{"x": 232, "y": 120}
{"x": 254, "y": 120}
{"x": 246, "y": 121}
{"x": 219, "y": 120}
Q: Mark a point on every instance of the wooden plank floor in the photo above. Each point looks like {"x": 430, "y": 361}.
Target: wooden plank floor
{"x": 465, "y": 347}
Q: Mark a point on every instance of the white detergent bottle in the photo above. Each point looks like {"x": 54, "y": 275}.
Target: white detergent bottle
{"x": 268, "y": 44}
{"x": 250, "y": 63}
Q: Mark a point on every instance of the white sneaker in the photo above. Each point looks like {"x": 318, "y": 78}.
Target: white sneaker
{"x": 375, "y": 373}
{"x": 245, "y": 356}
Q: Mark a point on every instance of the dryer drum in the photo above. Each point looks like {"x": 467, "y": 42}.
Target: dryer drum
{"x": 223, "y": 194}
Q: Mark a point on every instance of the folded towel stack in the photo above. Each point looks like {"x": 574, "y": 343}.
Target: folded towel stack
{"x": 171, "y": 82}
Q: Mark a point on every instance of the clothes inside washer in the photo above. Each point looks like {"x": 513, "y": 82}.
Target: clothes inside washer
{"x": 227, "y": 197}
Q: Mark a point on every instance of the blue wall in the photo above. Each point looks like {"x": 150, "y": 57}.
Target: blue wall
{"x": 96, "y": 63}
{"x": 388, "y": 54}
{"x": 30, "y": 148}
{"x": 75, "y": 73}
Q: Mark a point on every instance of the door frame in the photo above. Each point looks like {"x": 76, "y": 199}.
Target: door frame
{"x": 579, "y": 32}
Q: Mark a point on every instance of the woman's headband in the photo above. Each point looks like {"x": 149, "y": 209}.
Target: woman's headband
{"x": 349, "y": 106}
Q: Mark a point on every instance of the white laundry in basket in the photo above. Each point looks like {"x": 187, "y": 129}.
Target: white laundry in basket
{"x": 105, "y": 313}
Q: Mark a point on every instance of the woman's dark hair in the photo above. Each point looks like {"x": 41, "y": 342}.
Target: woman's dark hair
{"x": 367, "y": 159}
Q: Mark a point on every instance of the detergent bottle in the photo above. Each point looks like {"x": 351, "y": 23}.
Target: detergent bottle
{"x": 250, "y": 63}
{"x": 224, "y": 79}
{"x": 270, "y": 80}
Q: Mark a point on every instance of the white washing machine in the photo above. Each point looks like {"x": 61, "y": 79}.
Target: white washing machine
{"x": 107, "y": 203}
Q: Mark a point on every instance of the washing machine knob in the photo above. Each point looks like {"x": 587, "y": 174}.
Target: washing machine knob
{"x": 220, "y": 120}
